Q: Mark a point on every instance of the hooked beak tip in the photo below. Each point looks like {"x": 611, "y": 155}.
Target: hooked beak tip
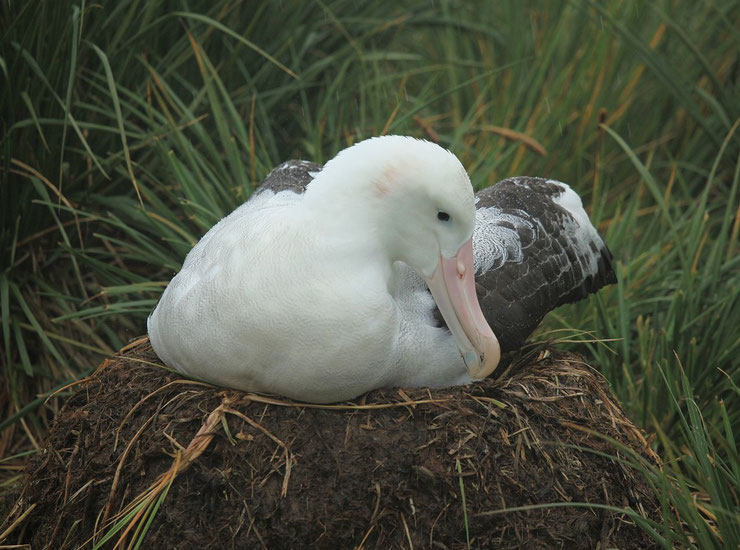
{"x": 472, "y": 360}
{"x": 480, "y": 366}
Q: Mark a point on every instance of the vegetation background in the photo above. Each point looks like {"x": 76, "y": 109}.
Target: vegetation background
{"x": 128, "y": 128}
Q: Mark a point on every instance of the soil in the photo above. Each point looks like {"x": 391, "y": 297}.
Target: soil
{"x": 394, "y": 469}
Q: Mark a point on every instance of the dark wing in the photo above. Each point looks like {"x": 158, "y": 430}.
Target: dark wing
{"x": 535, "y": 249}
{"x": 291, "y": 175}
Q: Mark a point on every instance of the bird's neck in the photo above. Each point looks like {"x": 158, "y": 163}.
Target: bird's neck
{"x": 346, "y": 205}
{"x": 352, "y": 221}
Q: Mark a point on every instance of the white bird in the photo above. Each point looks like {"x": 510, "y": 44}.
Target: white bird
{"x": 318, "y": 287}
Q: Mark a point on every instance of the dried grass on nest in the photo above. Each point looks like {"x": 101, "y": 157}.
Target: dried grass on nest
{"x": 201, "y": 467}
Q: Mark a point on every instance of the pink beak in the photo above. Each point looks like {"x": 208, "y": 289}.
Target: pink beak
{"x": 453, "y": 288}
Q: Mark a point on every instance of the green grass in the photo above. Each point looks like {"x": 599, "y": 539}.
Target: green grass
{"x": 129, "y": 129}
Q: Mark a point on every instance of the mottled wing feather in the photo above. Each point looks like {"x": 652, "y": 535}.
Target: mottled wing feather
{"x": 291, "y": 175}
{"x": 535, "y": 249}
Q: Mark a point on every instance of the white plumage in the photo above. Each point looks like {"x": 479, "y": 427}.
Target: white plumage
{"x": 305, "y": 295}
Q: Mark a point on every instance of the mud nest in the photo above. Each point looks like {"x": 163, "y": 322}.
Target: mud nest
{"x": 141, "y": 450}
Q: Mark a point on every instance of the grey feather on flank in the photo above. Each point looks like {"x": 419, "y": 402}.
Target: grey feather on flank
{"x": 292, "y": 175}
{"x": 501, "y": 237}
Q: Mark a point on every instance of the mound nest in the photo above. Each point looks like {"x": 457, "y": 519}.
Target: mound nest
{"x": 510, "y": 462}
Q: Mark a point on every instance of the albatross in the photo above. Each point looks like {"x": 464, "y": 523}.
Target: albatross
{"x": 381, "y": 268}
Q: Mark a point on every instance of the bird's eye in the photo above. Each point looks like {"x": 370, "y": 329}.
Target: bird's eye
{"x": 443, "y": 216}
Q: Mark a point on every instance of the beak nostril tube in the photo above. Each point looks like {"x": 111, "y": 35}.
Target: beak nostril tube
{"x": 461, "y": 268}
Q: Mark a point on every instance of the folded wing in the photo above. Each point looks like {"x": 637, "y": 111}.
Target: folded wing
{"x": 535, "y": 249}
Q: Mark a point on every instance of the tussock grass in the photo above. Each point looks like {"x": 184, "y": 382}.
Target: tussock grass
{"x": 128, "y": 130}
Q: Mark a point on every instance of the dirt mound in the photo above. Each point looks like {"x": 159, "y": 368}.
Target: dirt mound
{"x": 137, "y": 451}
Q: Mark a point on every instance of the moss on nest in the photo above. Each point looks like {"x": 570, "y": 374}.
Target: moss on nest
{"x": 220, "y": 469}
